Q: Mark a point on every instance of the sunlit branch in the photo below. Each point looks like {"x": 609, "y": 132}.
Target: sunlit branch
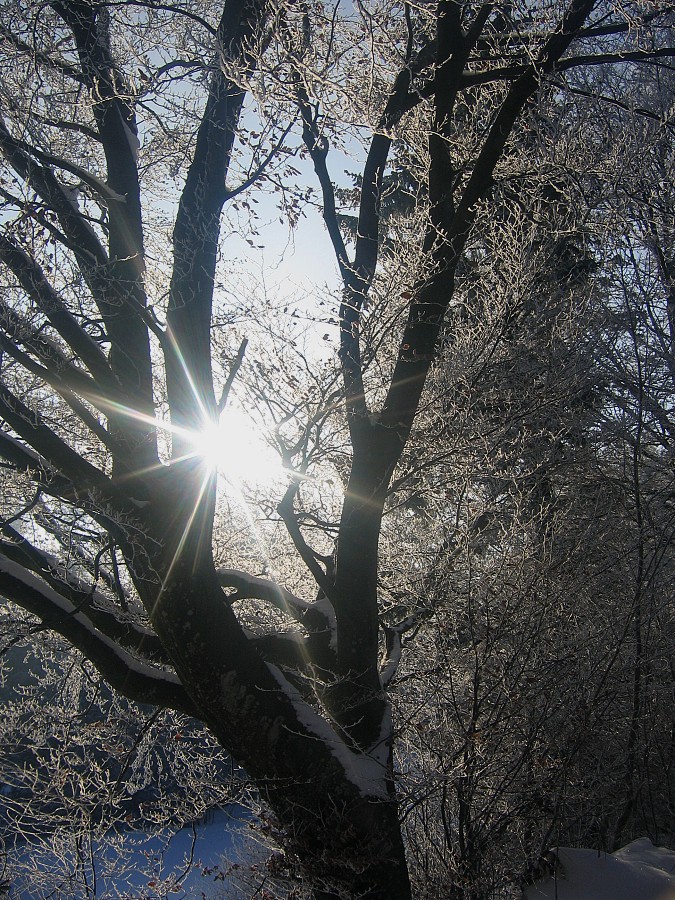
{"x": 510, "y": 73}
{"x": 317, "y": 147}
{"x": 264, "y": 164}
{"x": 235, "y": 365}
{"x": 285, "y": 510}
{"x": 619, "y": 104}
{"x": 26, "y": 460}
{"x": 45, "y": 59}
{"x": 33, "y": 281}
{"x": 73, "y": 550}
{"x": 63, "y": 379}
{"x": 86, "y": 246}
{"x": 428, "y": 309}
{"x": 62, "y": 458}
{"x": 98, "y": 187}
{"x": 251, "y": 587}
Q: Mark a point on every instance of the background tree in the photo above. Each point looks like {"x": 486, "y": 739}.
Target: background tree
{"x": 107, "y": 349}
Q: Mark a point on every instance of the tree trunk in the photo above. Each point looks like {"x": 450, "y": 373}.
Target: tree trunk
{"x": 334, "y": 803}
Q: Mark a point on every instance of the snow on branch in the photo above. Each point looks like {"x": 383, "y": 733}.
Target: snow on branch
{"x": 393, "y": 644}
{"x": 98, "y": 608}
{"x": 392, "y": 656}
{"x": 367, "y": 771}
{"x": 250, "y": 587}
{"x": 126, "y": 673}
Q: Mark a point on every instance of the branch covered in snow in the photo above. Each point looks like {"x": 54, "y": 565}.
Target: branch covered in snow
{"x": 129, "y": 675}
{"x": 367, "y": 771}
{"x": 251, "y": 587}
{"x": 318, "y": 619}
{"x": 97, "y": 607}
{"x": 393, "y": 644}
{"x": 392, "y": 657}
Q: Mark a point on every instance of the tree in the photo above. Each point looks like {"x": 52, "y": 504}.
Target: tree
{"x": 126, "y": 99}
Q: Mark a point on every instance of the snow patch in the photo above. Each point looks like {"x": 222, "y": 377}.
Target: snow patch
{"x": 40, "y": 462}
{"x": 639, "y": 871}
{"x": 325, "y": 607}
{"x": 100, "y": 601}
{"x": 392, "y": 661}
{"x": 132, "y": 138}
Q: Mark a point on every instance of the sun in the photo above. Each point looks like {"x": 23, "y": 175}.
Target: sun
{"x": 235, "y": 449}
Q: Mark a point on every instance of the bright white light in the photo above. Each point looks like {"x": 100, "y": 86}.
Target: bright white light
{"x": 237, "y": 451}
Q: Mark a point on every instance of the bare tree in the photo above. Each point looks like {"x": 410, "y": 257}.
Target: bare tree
{"x": 126, "y": 99}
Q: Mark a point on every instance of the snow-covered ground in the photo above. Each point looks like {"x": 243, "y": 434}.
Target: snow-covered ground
{"x": 639, "y": 871}
{"x": 189, "y": 863}
{"x": 193, "y": 862}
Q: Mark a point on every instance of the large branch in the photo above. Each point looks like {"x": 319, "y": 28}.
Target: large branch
{"x": 317, "y": 617}
{"x": 82, "y": 240}
{"x": 187, "y": 349}
{"x": 95, "y": 606}
{"x": 116, "y": 121}
{"x": 126, "y": 673}
{"x": 25, "y": 459}
{"x": 376, "y": 446}
{"x": 509, "y": 73}
{"x": 60, "y": 383}
{"x": 33, "y": 281}
{"x": 357, "y": 276}
{"x": 110, "y": 294}
{"x": 44, "y": 59}
{"x": 61, "y": 458}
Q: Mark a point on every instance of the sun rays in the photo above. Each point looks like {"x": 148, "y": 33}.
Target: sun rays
{"x": 229, "y": 453}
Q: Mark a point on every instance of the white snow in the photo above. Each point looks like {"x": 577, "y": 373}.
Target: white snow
{"x": 132, "y": 139}
{"x": 364, "y": 771}
{"x": 99, "y": 600}
{"x": 392, "y": 661}
{"x": 40, "y": 462}
{"x": 72, "y": 194}
{"x": 639, "y": 871}
{"x": 262, "y": 589}
{"x": 326, "y": 608}
{"x": 251, "y": 586}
